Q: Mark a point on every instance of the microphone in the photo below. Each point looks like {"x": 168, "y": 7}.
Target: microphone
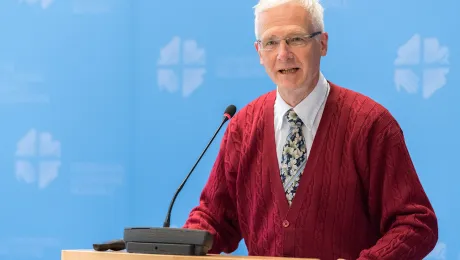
{"x": 173, "y": 241}
{"x": 228, "y": 114}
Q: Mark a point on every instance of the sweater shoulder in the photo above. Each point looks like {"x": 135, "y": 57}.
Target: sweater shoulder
{"x": 367, "y": 112}
{"x": 368, "y": 120}
{"x": 362, "y": 105}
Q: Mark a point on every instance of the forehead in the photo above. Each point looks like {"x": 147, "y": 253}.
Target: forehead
{"x": 284, "y": 19}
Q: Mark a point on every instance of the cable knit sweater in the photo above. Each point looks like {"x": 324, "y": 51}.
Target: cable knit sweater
{"x": 359, "y": 196}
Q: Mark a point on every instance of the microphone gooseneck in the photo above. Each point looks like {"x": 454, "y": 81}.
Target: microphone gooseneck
{"x": 228, "y": 114}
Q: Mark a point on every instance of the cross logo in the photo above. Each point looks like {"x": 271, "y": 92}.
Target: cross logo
{"x": 181, "y": 64}
{"x": 37, "y": 158}
{"x": 421, "y": 59}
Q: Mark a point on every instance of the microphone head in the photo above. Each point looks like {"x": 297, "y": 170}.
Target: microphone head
{"x": 230, "y": 111}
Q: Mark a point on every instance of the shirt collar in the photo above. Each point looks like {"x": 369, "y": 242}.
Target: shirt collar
{"x": 307, "y": 109}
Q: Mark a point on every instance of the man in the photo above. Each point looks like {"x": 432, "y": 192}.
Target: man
{"x": 312, "y": 169}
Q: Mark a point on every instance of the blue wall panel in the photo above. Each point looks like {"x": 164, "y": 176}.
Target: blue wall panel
{"x": 105, "y": 101}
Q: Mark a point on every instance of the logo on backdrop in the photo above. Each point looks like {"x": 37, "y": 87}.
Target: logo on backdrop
{"x": 37, "y": 158}
{"x": 422, "y": 66}
{"x": 44, "y": 4}
{"x": 181, "y": 67}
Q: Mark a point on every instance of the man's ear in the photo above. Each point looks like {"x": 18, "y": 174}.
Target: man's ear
{"x": 324, "y": 43}
{"x": 256, "y": 45}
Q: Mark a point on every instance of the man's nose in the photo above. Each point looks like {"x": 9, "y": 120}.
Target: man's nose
{"x": 284, "y": 53}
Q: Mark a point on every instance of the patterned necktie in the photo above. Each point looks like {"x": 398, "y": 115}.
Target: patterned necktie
{"x": 293, "y": 156}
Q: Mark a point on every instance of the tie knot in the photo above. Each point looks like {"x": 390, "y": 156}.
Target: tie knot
{"x": 293, "y": 119}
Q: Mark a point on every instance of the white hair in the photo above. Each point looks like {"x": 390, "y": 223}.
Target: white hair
{"x": 313, "y": 7}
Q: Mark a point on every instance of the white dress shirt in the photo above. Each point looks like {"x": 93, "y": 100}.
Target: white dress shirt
{"x": 309, "y": 110}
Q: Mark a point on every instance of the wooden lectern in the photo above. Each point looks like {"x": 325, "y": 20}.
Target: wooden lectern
{"x": 94, "y": 255}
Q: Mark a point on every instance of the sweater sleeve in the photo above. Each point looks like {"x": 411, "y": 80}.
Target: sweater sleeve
{"x": 396, "y": 199}
{"x": 216, "y": 212}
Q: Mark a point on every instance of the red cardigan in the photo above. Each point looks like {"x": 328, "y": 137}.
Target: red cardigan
{"x": 359, "y": 196}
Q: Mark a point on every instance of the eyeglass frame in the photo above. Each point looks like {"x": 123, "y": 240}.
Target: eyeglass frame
{"x": 287, "y": 39}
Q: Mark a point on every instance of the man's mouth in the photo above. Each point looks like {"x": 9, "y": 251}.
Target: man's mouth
{"x": 288, "y": 71}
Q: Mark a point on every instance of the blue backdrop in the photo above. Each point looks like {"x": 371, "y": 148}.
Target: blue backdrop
{"x": 96, "y": 96}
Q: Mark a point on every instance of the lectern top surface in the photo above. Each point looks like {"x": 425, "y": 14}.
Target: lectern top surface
{"x": 94, "y": 255}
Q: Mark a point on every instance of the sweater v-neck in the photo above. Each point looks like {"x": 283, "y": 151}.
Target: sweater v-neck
{"x": 271, "y": 164}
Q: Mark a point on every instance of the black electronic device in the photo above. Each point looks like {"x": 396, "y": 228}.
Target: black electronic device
{"x": 167, "y": 241}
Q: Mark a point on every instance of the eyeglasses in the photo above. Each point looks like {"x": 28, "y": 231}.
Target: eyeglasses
{"x": 293, "y": 41}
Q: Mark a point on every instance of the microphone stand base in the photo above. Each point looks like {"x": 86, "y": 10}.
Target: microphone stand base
{"x": 167, "y": 241}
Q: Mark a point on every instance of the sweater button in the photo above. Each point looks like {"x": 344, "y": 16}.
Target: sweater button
{"x": 285, "y": 223}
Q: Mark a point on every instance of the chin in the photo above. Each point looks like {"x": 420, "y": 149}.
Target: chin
{"x": 289, "y": 83}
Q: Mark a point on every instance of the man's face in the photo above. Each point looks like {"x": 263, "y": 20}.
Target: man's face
{"x": 295, "y": 65}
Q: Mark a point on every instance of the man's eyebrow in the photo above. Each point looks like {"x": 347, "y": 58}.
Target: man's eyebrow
{"x": 270, "y": 36}
{"x": 296, "y": 33}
